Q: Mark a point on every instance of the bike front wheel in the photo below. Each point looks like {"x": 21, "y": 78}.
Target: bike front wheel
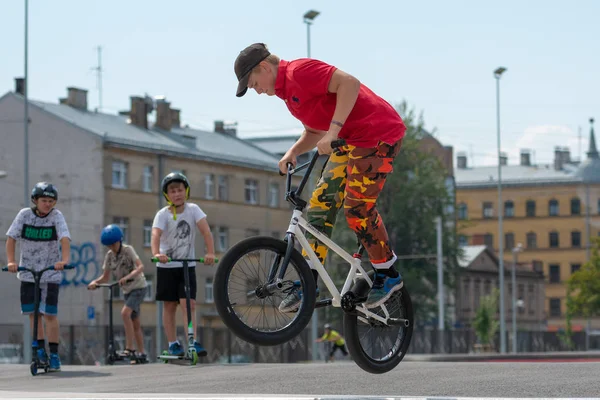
{"x": 374, "y": 346}
{"x": 251, "y": 309}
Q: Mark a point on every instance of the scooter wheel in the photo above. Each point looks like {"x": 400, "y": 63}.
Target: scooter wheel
{"x": 165, "y": 353}
{"x": 33, "y": 368}
{"x": 194, "y": 357}
{"x": 46, "y": 368}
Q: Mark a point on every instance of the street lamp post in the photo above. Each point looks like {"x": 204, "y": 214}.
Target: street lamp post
{"x": 497, "y": 74}
{"x": 26, "y": 326}
{"x": 515, "y": 250}
{"x": 309, "y": 17}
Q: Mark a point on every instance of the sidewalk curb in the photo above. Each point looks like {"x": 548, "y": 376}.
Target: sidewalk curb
{"x": 500, "y": 357}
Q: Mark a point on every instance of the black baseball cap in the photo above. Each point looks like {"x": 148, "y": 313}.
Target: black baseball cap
{"x": 245, "y": 62}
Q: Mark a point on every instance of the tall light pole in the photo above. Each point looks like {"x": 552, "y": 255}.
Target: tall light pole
{"x": 515, "y": 250}
{"x": 497, "y": 74}
{"x": 309, "y": 17}
{"x": 26, "y": 326}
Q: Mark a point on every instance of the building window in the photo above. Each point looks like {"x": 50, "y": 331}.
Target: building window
{"x": 575, "y": 268}
{"x": 530, "y": 208}
{"x": 509, "y": 241}
{"x": 208, "y": 291}
{"x": 147, "y": 232}
{"x": 209, "y": 187}
{"x": 119, "y": 175}
{"x": 553, "y": 208}
{"x": 488, "y": 240}
{"x": 509, "y": 209}
{"x": 147, "y": 178}
{"x": 273, "y": 195}
{"x": 555, "y": 307}
{"x": 251, "y": 191}
{"x": 531, "y": 300}
{"x": 252, "y": 232}
{"x": 575, "y": 206}
{"x": 531, "y": 240}
{"x": 462, "y": 211}
{"x": 554, "y": 272}
{"x": 488, "y": 210}
{"x": 463, "y": 240}
{"x": 554, "y": 242}
{"x": 466, "y": 295}
{"x": 123, "y": 223}
{"x": 521, "y": 296}
{"x": 223, "y": 188}
{"x": 575, "y": 239}
{"x": 223, "y": 239}
{"x": 598, "y": 206}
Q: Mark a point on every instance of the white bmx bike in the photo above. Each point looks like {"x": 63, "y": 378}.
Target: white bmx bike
{"x": 256, "y": 274}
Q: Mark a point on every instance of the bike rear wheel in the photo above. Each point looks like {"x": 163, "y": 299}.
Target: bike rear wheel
{"x": 376, "y": 347}
{"x": 246, "y": 308}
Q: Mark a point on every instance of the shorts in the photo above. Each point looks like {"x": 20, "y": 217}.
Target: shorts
{"x": 48, "y": 293}
{"x": 133, "y": 300}
{"x": 170, "y": 284}
{"x": 335, "y": 347}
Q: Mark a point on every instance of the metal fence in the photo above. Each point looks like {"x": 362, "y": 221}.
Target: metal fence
{"x": 87, "y": 345}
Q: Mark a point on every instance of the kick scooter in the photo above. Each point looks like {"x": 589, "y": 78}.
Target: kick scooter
{"x": 36, "y": 363}
{"x": 191, "y": 355}
{"x": 112, "y": 356}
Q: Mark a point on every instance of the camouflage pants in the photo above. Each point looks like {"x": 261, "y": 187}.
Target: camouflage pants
{"x": 353, "y": 177}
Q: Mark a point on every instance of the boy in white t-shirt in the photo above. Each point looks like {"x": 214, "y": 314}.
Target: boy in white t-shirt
{"x": 173, "y": 236}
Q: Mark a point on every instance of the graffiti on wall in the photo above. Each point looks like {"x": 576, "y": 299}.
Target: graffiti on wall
{"x": 83, "y": 257}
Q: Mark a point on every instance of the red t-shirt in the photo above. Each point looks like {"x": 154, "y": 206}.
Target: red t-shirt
{"x": 303, "y": 84}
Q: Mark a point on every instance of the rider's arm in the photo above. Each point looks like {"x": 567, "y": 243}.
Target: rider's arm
{"x": 347, "y": 88}
{"x": 10, "y": 249}
{"x": 307, "y": 141}
{"x": 65, "y": 243}
{"x": 139, "y": 268}
{"x": 204, "y": 228}
{"x": 104, "y": 277}
{"x": 155, "y": 241}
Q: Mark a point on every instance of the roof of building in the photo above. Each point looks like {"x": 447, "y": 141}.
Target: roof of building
{"x": 275, "y": 144}
{"x": 470, "y": 253}
{"x": 184, "y": 141}
{"x": 521, "y": 175}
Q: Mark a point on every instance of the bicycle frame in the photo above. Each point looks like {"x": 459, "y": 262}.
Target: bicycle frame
{"x": 295, "y": 230}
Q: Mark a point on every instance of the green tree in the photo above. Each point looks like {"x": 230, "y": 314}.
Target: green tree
{"x": 583, "y": 293}
{"x": 413, "y": 196}
{"x": 485, "y": 322}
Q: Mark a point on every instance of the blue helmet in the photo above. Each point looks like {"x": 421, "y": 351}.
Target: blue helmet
{"x": 111, "y": 234}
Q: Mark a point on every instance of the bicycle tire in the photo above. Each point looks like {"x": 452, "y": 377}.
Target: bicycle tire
{"x": 228, "y": 314}
{"x": 353, "y": 342}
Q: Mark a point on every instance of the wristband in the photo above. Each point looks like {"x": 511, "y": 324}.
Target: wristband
{"x": 338, "y": 123}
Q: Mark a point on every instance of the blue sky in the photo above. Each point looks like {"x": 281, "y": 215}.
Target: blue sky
{"x": 437, "y": 55}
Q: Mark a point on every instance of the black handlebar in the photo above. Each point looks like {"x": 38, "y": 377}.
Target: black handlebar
{"x": 50, "y": 268}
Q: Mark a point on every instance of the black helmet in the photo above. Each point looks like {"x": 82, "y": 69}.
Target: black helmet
{"x": 175, "y": 177}
{"x": 44, "y": 189}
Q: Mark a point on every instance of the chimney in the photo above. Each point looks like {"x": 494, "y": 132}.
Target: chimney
{"x": 139, "y": 112}
{"x": 63, "y": 100}
{"x": 20, "y": 86}
{"x": 229, "y": 129}
{"x": 461, "y": 160}
{"x": 525, "y": 158}
{"x": 163, "y": 114}
{"x": 562, "y": 156}
{"x": 503, "y": 158}
{"x": 77, "y": 98}
{"x": 175, "y": 121}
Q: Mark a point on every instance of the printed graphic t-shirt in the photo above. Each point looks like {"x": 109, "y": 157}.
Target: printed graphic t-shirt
{"x": 178, "y": 235}
{"x": 121, "y": 264}
{"x": 39, "y": 240}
